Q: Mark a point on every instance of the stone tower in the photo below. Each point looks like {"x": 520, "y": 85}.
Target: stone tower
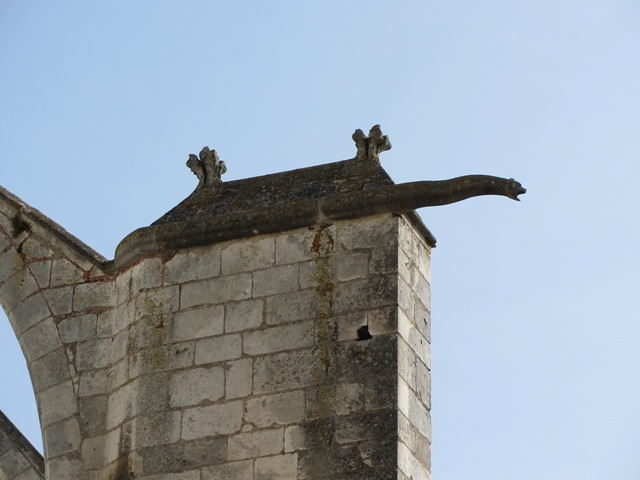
{"x": 271, "y": 328}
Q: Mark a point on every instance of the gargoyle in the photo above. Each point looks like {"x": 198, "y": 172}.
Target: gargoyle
{"x": 428, "y": 193}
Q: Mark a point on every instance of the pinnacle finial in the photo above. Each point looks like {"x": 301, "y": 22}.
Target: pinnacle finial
{"x": 369, "y": 148}
{"x": 208, "y": 168}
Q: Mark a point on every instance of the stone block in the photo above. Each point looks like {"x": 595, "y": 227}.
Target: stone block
{"x": 190, "y": 475}
{"x": 120, "y": 404}
{"x": 41, "y": 272}
{"x": 93, "y": 354}
{"x": 62, "y": 437}
{"x": 161, "y": 358}
{"x": 49, "y": 369}
{"x": 34, "y": 248}
{"x": 287, "y": 371}
{"x": 100, "y": 451}
{"x": 245, "y": 315}
{"x": 88, "y": 295}
{"x": 192, "y": 265}
{"x": 158, "y": 428}
{"x": 280, "y": 467}
{"x": 4, "y": 241}
{"x": 422, "y": 320}
{"x": 357, "y": 360}
{"x": 212, "y": 420}
{"x": 105, "y": 323}
{"x": 277, "y": 409}
{"x": 30, "y": 474}
{"x": 335, "y": 399}
{"x": 414, "y": 409}
{"x": 380, "y": 425}
{"x": 407, "y": 363}
{"x": 181, "y": 456}
{"x": 351, "y": 266}
{"x": 196, "y": 385}
{"x": 423, "y": 384}
{"x": 147, "y": 274}
{"x": 341, "y": 327}
{"x": 275, "y": 339}
{"x": 417, "y": 443}
{"x": 40, "y": 339}
{"x": 77, "y": 329}
{"x": 155, "y": 302}
{"x": 94, "y": 382}
{"x": 59, "y": 300}
{"x": 215, "y": 291}
{"x": 370, "y": 293}
{"x": 260, "y": 443}
{"x": 29, "y": 312}
{"x": 218, "y": 349}
{"x": 369, "y": 233}
{"x": 57, "y": 403}
{"x": 229, "y": 471}
{"x": 198, "y": 323}
{"x": 239, "y": 378}
{"x": 10, "y": 264}
{"x": 410, "y": 465}
{"x": 66, "y": 466}
{"x": 380, "y": 392}
{"x": 12, "y": 463}
{"x": 414, "y": 339}
{"x": 17, "y": 288}
{"x": 63, "y": 273}
{"x": 248, "y": 255}
{"x": 93, "y": 420}
{"x": 275, "y": 280}
{"x": 294, "y": 306}
{"x": 295, "y": 247}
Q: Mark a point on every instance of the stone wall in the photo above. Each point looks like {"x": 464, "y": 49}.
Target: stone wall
{"x": 18, "y": 459}
{"x": 302, "y": 355}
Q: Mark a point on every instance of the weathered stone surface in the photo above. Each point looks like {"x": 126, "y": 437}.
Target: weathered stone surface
{"x": 182, "y": 456}
{"x": 196, "y": 385}
{"x": 213, "y": 420}
{"x": 215, "y": 291}
{"x": 198, "y": 323}
{"x": 256, "y": 444}
{"x": 77, "y": 329}
{"x": 277, "y": 409}
{"x": 249, "y": 255}
{"x": 59, "y": 403}
{"x": 245, "y": 315}
{"x": 269, "y": 357}
{"x": 275, "y": 280}
{"x": 101, "y": 450}
{"x": 275, "y": 339}
{"x": 192, "y": 265}
{"x": 279, "y": 467}
{"x": 62, "y": 437}
{"x": 229, "y": 471}
{"x": 286, "y": 371}
{"x": 217, "y": 349}
{"x": 239, "y": 378}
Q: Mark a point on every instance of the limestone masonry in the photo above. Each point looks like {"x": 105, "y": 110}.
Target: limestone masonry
{"x": 275, "y": 328}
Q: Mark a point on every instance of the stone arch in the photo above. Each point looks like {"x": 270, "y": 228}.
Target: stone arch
{"x": 40, "y": 267}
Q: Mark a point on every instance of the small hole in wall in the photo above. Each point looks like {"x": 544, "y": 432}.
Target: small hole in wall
{"x": 363, "y": 333}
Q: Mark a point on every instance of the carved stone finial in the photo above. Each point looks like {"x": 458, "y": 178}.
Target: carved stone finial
{"x": 369, "y": 148}
{"x": 209, "y": 168}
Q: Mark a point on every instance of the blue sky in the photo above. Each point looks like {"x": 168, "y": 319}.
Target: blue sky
{"x": 536, "y": 366}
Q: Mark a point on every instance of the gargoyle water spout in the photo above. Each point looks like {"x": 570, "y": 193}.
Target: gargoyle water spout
{"x": 307, "y": 197}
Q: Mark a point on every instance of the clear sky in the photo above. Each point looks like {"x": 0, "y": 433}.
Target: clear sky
{"x": 536, "y": 325}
